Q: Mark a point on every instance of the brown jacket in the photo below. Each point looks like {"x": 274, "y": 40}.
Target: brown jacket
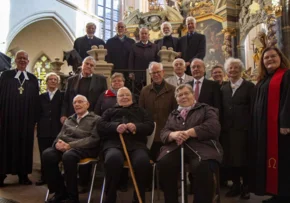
{"x": 159, "y": 105}
{"x": 204, "y": 119}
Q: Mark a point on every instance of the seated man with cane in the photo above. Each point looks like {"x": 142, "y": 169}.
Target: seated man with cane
{"x": 78, "y": 139}
{"x": 194, "y": 128}
{"x": 133, "y": 122}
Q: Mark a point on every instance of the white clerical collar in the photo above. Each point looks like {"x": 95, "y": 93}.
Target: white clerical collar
{"x": 183, "y": 76}
{"x": 24, "y": 73}
{"x": 200, "y": 80}
{"x": 81, "y": 76}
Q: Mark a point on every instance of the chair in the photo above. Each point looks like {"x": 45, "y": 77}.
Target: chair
{"x": 150, "y": 140}
{"x": 85, "y": 161}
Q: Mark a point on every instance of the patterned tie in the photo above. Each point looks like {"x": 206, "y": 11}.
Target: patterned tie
{"x": 180, "y": 81}
{"x": 183, "y": 113}
{"x": 196, "y": 90}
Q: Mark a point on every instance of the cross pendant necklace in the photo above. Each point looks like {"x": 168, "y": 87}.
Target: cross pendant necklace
{"x": 21, "y": 89}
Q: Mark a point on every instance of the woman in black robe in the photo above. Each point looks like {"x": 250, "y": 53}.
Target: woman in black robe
{"x": 270, "y": 138}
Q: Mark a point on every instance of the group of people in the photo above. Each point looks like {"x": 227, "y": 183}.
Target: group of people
{"x": 231, "y": 126}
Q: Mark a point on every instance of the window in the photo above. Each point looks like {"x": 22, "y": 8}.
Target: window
{"x": 40, "y": 69}
{"x": 110, "y": 11}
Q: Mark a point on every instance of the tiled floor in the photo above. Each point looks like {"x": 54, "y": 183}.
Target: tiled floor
{"x": 36, "y": 194}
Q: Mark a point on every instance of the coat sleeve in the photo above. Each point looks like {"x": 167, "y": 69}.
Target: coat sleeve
{"x": 164, "y": 133}
{"x": 201, "y": 48}
{"x": 88, "y": 142}
{"x": 217, "y": 97}
{"x": 106, "y": 126}
{"x": 65, "y": 103}
{"x": 142, "y": 99}
{"x": 210, "y": 127}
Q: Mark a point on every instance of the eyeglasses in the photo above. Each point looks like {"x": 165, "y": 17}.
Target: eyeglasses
{"x": 183, "y": 94}
{"x": 157, "y": 73}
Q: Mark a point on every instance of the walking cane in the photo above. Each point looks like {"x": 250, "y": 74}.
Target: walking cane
{"x": 130, "y": 168}
{"x": 182, "y": 173}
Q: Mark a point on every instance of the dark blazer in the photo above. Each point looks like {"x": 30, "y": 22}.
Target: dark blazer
{"x": 97, "y": 86}
{"x": 83, "y": 44}
{"x": 49, "y": 124}
{"x": 117, "y": 57}
{"x": 210, "y": 93}
{"x": 117, "y": 115}
{"x": 159, "y": 43}
{"x": 193, "y": 48}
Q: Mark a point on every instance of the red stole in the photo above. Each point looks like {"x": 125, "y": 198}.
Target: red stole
{"x": 273, "y": 131}
{"x": 109, "y": 93}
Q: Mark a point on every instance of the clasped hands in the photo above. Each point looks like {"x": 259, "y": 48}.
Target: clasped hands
{"x": 285, "y": 131}
{"x": 62, "y": 146}
{"x": 182, "y": 136}
{"x": 126, "y": 128}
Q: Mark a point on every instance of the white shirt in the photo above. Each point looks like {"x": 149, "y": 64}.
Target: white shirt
{"x": 236, "y": 85}
{"x": 80, "y": 118}
{"x": 51, "y": 94}
{"x": 200, "y": 84}
{"x": 81, "y": 76}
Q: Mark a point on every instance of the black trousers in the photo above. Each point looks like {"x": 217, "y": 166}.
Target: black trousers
{"x": 55, "y": 181}
{"x": 43, "y": 144}
{"x": 114, "y": 161}
{"x": 170, "y": 166}
{"x": 237, "y": 172}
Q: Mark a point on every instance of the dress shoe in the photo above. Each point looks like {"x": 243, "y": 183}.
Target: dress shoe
{"x": 245, "y": 194}
{"x": 57, "y": 198}
{"x": 40, "y": 182}
{"x": 234, "y": 191}
{"x": 273, "y": 199}
{"x": 2, "y": 178}
{"x": 24, "y": 180}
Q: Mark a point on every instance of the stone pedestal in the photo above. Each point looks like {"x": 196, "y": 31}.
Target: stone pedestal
{"x": 56, "y": 68}
{"x": 167, "y": 56}
{"x": 102, "y": 67}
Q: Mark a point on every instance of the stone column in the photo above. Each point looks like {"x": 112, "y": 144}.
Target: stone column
{"x": 167, "y": 56}
{"x": 227, "y": 47}
{"x": 286, "y": 27}
{"x": 102, "y": 67}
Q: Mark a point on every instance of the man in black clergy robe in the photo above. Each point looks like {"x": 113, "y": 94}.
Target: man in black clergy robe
{"x": 167, "y": 40}
{"x": 84, "y": 44}
{"x": 19, "y": 100}
{"x": 192, "y": 45}
{"x": 119, "y": 48}
{"x": 48, "y": 124}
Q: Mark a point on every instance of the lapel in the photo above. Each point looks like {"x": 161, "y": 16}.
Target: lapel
{"x": 46, "y": 96}
{"x": 56, "y": 95}
{"x": 238, "y": 88}
{"x": 93, "y": 82}
{"x": 203, "y": 89}
{"x": 76, "y": 83}
{"x": 192, "y": 39}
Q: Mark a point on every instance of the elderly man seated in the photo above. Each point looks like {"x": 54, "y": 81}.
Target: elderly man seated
{"x": 135, "y": 124}
{"x": 196, "y": 127}
{"x": 77, "y": 139}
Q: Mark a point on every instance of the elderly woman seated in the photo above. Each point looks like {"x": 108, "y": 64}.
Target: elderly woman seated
{"x": 135, "y": 124}
{"x": 196, "y": 127}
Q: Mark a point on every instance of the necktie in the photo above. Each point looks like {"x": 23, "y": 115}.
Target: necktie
{"x": 180, "y": 81}
{"x": 183, "y": 113}
{"x": 196, "y": 90}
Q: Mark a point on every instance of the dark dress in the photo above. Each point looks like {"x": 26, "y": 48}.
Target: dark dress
{"x": 258, "y": 137}
{"x": 18, "y": 116}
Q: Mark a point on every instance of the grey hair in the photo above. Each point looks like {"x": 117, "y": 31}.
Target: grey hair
{"x": 169, "y": 25}
{"x": 90, "y": 24}
{"x": 52, "y": 74}
{"x": 151, "y": 64}
{"x": 116, "y": 75}
{"x": 81, "y": 96}
{"x": 179, "y": 87}
{"x": 178, "y": 59}
{"x": 21, "y": 51}
{"x": 90, "y": 58}
{"x": 197, "y": 59}
{"x": 232, "y": 60}
{"x": 190, "y": 18}
{"x": 124, "y": 88}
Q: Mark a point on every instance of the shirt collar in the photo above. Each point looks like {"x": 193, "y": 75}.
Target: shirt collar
{"x": 53, "y": 92}
{"x": 83, "y": 115}
{"x": 200, "y": 80}
{"x": 238, "y": 83}
{"x": 24, "y": 73}
{"x": 183, "y": 76}
{"x": 145, "y": 42}
{"x": 88, "y": 37}
{"x": 81, "y": 76}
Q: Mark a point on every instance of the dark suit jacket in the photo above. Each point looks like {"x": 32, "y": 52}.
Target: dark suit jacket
{"x": 117, "y": 57}
{"x": 83, "y": 44}
{"x": 97, "y": 86}
{"x": 210, "y": 93}
{"x": 49, "y": 124}
{"x": 190, "y": 49}
{"x": 159, "y": 43}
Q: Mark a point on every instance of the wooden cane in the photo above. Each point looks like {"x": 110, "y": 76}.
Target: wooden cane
{"x": 130, "y": 168}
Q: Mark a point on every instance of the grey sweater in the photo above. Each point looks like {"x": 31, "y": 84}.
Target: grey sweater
{"x": 82, "y": 135}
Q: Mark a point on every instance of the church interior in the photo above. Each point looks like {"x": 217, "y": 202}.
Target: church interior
{"x": 46, "y": 30}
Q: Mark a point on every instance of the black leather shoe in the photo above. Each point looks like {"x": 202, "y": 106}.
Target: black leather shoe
{"x": 234, "y": 191}
{"x": 273, "y": 199}
{"x": 24, "y": 180}
{"x": 57, "y": 198}
{"x": 40, "y": 182}
{"x": 2, "y": 178}
{"x": 245, "y": 194}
